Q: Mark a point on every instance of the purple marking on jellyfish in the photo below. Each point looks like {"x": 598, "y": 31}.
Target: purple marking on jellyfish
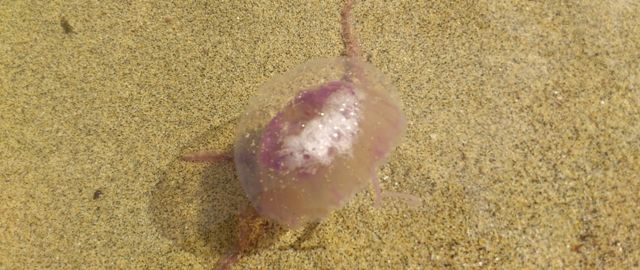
{"x": 316, "y": 126}
{"x": 315, "y": 98}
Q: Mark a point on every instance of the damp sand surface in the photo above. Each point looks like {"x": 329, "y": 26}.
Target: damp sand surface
{"x": 523, "y": 133}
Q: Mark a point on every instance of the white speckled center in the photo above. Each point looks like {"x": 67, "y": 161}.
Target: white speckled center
{"x": 318, "y": 145}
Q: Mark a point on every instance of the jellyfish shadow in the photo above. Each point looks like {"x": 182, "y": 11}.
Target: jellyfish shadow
{"x": 200, "y": 207}
{"x": 195, "y": 205}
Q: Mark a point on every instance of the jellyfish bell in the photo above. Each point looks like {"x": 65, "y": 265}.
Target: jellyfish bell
{"x": 313, "y": 137}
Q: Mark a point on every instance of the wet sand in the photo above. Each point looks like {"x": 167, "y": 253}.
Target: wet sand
{"x": 523, "y": 137}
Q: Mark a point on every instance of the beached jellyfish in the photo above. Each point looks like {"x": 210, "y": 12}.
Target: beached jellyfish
{"x": 311, "y": 139}
{"x": 315, "y": 136}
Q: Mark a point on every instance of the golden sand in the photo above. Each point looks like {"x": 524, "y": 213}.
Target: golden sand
{"x": 523, "y": 139}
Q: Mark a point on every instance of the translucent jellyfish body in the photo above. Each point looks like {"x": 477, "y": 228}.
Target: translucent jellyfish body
{"x": 313, "y": 137}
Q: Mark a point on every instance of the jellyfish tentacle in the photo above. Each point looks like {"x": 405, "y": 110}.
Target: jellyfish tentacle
{"x": 306, "y": 234}
{"x": 229, "y": 259}
{"x": 377, "y": 192}
{"x": 411, "y": 200}
{"x": 352, "y": 49}
{"x": 207, "y": 156}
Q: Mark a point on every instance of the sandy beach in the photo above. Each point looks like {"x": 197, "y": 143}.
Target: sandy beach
{"x": 523, "y": 136}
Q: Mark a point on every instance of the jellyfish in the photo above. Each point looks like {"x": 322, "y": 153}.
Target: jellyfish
{"x": 310, "y": 139}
